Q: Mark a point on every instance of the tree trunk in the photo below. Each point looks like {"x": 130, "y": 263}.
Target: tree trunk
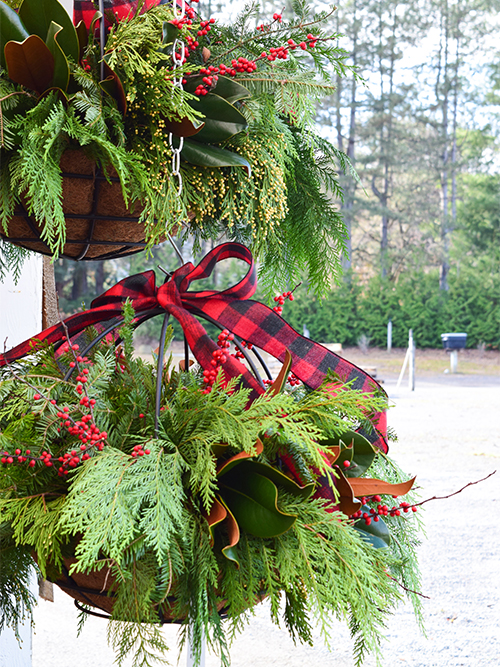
{"x": 350, "y": 186}
{"x": 445, "y": 231}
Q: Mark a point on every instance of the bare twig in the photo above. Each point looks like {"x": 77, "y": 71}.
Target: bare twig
{"x": 454, "y": 493}
{"x": 408, "y": 590}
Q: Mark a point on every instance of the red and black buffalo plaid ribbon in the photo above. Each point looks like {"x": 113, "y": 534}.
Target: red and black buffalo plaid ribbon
{"x": 84, "y": 10}
{"x": 232, "y": 308}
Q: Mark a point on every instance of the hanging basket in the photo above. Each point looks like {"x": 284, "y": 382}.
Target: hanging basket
{"x": 95, "y": 589}
{"x": 98, "y": 223}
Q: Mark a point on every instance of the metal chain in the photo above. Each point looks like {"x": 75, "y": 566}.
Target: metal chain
{"x": 178, "y": 48}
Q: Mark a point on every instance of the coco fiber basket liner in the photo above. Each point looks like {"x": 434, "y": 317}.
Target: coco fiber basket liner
{"x": 98, "y": 223}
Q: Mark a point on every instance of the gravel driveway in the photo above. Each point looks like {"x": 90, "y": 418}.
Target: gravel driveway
{"x": 449, "y": 434}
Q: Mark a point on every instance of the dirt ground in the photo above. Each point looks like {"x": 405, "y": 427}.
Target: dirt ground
{"x": 428, "y": 362}
{"x": 449, "y": 435}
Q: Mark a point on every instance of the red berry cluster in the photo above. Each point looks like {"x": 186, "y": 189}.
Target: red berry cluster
{"x": 85, "y": 429}
{"x": 265, "y": 28}
{"x": 209, "y": 80}
{"x": 205, "y": 27}
{"x": 293, "y": 380}
{"x": 381, "y": 510}
{"x": 139, "y": 451}
{"x": 280, "y": 300}
{"x": 238, "y": 354}
{"x": 219, "y": 357}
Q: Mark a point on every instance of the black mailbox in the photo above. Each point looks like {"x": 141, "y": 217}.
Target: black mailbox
{"x": 454, "y": 341}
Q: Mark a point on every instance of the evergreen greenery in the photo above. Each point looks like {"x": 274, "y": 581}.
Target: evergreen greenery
{"x": 244, "y": 174}
{"x": 139, "y": 503}
{"x": 415, "y": 302}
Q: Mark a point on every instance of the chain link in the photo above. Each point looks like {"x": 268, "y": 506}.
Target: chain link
{"x": 177, "y": 56}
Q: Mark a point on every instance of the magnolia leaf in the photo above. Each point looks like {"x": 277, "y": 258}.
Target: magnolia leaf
{"x": 203, "y": 155}
{"x": 225, "y": 88}
{"x": 61, "y": 67}
{"x": 332, "y": 454}
{"x": 377, "y": 533}
{"x": 183, "y": 127}
{"x": 279, "y": 383}
{"x": 362, "y": 456}
{"x": 30, "y": 63}
{"x": 170, "y": 32}
{"x": 217, "y": 514}
{"x": 222, "y": 119}
{"x": 83, "y": 38}
{"x": 95, "y": 18}
{"x": 11, "y": 29}
{"x": 353, "y": 448}
{"x": 276, "y": 476}
{"x": 253, "y": 502}
{"x": 233, "y": 533}
{"x": 226, "y": 466}
{"x": 182, "y": 364}
{"x": 113, "y": 86}
{"x": 230, "y": 90}
{"x": 348, "y": 503}
{"x": 369, "y": 487}
{"x": 61, "y": 95}
{"x": 38, "y": 15}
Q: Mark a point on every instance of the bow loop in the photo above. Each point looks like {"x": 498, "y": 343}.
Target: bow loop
{"x": 232, "y": 309}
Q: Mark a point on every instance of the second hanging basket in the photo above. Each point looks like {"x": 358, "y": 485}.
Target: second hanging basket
{"x": 99, "y": 225}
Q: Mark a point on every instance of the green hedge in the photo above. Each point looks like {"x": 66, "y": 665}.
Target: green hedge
{"x": 472, "y": 305}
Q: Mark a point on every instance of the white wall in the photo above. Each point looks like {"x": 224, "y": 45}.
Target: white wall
{"x": 21, "y": 304}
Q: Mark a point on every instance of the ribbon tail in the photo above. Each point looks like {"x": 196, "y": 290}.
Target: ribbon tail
{"x": 260, "y": 325}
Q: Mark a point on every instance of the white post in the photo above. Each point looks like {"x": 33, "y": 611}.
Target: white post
{"x": 403, "y": 369}
{"x": 411, "y": 354}
{"x": 454, "y": 361}
{"x": 190, "y": 657}
{"x": 389, "y": 335}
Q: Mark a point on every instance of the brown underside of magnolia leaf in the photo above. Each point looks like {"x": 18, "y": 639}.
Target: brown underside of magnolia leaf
{"x": 368, "y": 487}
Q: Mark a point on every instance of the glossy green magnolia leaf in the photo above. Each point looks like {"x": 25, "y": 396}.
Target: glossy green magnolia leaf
{"x": 246, "y": 468}
{"x": 222, "y": 119}
{"x": 226, "y": 465}
{"x": 83, "y": 38}
{"x": 30, "y": 63}
{"x": 203, "y": 155}
{"x": 11, "y": 29}
{"x": 170, "y": 32}
{"x": 354, "y": 448}
{"x": 376, "y": 533}
{"x": 252, "y": 500}
{"x": 230, "y": 90}
{"x": 38, "y": 15}
{"x": 95, "y": 18}
{"x": 184, "y": 127}
{"x": 61, "y": 67}
{"x": 61, "y": 95}
{"x": 225, "y": 88}
{"x": 363, "y": 456}
{"x": 113, "y": 86}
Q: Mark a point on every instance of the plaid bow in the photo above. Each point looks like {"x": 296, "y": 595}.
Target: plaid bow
{"x": 84, "y": 10}
{"x": 232, "y": 309}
